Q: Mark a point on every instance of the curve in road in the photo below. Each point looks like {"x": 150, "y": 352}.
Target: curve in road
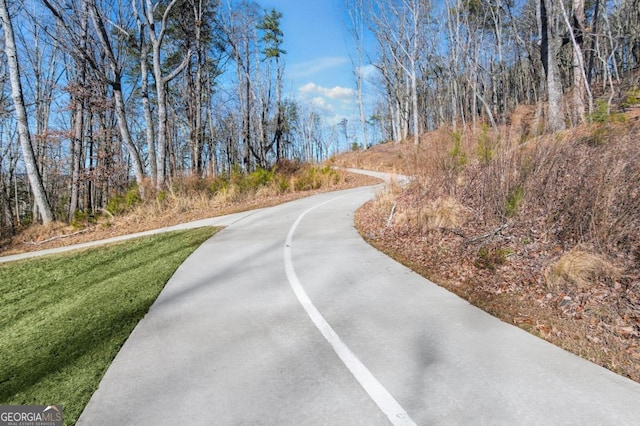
{"x": 228, "y": 341}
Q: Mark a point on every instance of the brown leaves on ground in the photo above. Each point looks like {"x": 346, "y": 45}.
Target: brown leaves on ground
{"x": 543, "y": 234}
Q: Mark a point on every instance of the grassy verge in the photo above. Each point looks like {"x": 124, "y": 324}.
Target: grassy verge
{"x": 64, "y": 318}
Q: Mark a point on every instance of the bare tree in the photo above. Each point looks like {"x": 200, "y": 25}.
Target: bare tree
{"x": 33, "y": 173}
{"x": 111, "y": 76}
{"x": 357, "y": 29}
{"x": 143, "y": 50}
{"x": 551, "y": 42}
{"x": 79, "y": 107}
{"x": 157, "y": 32}
{"x": 581, "y": 88}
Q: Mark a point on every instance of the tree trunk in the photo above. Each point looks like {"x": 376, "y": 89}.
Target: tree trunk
{"x": 550, "y": 47}
{"x": 116, "y": 84}
{"x": 144, "y": 88}
{"x": 580, "y": 90}
{"x": 76, "y": 155}
{"x": 357, "y": 30}
{"x": 35, "y": 180}
{"x": 126, "y": 135}
{"x": 148, "y": 118}
{"x": 78, "y": 124}
{"x": 161, "y": 94}
{"x": 161, "y": 81}
{"x": 594, "y": 32}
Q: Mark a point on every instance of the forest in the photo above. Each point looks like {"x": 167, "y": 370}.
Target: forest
{"x": 99, "y": 97}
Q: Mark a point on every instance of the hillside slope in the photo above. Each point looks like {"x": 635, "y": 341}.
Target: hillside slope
{"x": 541, "y": 231}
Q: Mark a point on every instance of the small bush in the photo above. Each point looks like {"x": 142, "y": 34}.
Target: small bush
{"x": 290, "y": 167}
{"x": 603, "y": 114}
{"x": 632, "y": 98}
{"x": 218, "y": 184}
{"x": 123, "y": 203}
{"x": 161, "y": 198}
{"x": 485, "y": 148}
{"x": 490, "y": 258}
{"x": 307, "y": 180}
{"x": 457, "y": 154}
{"x": 282, "y": 183}
{"x": 257, "y": 179}
{"x": 599, "y": 136}
{"x": 132, "y": 197}
{"x": 81, "y": 219}
{"x": 513, "y": 201}
{"x": 227, "y": 194}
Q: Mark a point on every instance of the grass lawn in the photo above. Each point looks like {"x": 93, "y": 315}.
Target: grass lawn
{"x": 63, "y": 318}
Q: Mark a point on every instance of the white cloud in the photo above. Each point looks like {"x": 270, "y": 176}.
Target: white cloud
{"x": 335, "y": 119}
{"x": 308, "y": 88}
{"x": 369, "y": 71}
{"x": 322, "y": 104}
{"x": 337, "y": 92}
{"x": 343, "y": 93}
{"x": 308, "y": 68}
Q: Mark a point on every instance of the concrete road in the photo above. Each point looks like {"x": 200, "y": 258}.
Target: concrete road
{"x": 288, "y": 317}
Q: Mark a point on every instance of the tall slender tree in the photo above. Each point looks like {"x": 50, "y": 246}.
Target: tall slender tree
{"x": 33, "y": 173}
{"x": 157, "y": 31}
{"x": 357, "y": 29}
{"x": 272, "y": 39}
{"x": 550, "y": 44}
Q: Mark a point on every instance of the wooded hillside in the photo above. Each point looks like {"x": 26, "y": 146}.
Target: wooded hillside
{"x": 101, "y": 96}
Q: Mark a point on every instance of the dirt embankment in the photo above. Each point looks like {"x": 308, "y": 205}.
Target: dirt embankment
{"x": 541, "y": 231}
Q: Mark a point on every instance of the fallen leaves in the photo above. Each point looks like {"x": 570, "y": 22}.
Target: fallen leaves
{"x": 599, "y": 320}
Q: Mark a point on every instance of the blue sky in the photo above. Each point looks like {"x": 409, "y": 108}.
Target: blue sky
{"x": 318, "y": 67}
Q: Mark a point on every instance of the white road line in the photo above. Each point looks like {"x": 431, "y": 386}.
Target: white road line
{"x": 383, "y": 399}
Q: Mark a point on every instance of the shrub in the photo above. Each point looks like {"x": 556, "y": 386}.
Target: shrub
{"x": 457, "y": 154}
{"x": 289, "y": 167}
{"x": 282, "y": 183}
{"x": 122, "y": 203}
{"x": 258, "y": 178}
{"x": 311, "y": 178}
{"x": 599, "y": 136}
{"x": 603, "y": 114}
{"x": 513, "y": 201}
{"x": 485, "y": 148}
{"x": 161, "y": 197}
{"x": 632, "y": 98}
{"x": 490, "y": 258}
{"x": 218, "y": 184}
{"x": 81, "y": 218}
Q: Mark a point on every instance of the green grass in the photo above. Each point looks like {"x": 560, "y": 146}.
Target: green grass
{"x": 63, "y": 318}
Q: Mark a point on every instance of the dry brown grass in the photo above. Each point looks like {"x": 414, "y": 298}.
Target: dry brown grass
{"x": 384, "y": 157}
{"x": 540, "y": 230}
{"x": 441, "y": 213}
{"x": 187, "y": 200}
{"x": 385, "y": 201}
{"x": 579, "y": 269}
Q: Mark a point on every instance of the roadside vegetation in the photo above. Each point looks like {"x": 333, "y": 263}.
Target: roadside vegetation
{"x": 541, "y": 230}
{"x": 64, "y": 318}
{"x": 186, "y": 199}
